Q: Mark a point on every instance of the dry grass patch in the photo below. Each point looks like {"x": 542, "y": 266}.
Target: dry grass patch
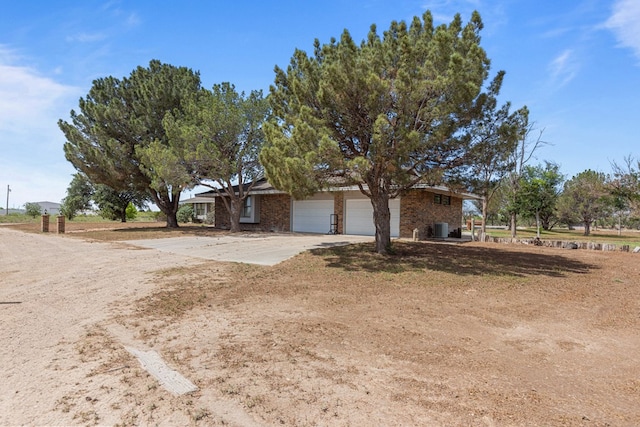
{"x": 433, "y": 334}
{"x": 118, "y": 231}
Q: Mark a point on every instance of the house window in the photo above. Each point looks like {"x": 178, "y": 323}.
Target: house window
{"x": 440, "y": 199}
{"x": 246, "y": 208}
{"x": 200, "y": 209}
{"x": 250, "y": 212}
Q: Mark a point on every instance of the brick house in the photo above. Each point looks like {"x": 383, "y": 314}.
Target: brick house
{"x": 434, "y": 211}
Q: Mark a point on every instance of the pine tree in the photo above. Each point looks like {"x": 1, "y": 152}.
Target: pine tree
{"x": 118, "y": 139}
{"x": 384, "y": 115}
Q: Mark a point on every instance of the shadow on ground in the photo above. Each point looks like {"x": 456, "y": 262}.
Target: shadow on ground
{"x": 456, "y": 259}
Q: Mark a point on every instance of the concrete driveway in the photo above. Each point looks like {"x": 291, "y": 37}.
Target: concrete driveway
{"x": 258, "y": 248}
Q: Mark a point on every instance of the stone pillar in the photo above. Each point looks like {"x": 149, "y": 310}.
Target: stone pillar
{"x": 60, "y": 224}
{"x": 45, "y": 223}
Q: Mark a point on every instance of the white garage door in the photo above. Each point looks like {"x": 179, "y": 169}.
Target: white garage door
{"x": 313, "y": 215}
{"x": 359, "y": 217}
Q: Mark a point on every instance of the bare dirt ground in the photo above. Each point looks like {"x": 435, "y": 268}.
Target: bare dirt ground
{"x": 436, "y": 334}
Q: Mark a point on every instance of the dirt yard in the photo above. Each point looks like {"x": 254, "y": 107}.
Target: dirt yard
{"x": 434, "y": 335}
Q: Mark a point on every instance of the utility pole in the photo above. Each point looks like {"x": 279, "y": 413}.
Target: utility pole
{"x": 8, "y": 191}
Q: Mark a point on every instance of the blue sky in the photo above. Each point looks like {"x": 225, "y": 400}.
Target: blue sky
{"x": 575, "y": 64}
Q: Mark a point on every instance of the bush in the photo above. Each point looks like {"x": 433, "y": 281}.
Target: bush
{"x": 33, "y": 209}
{"x": 185, "y": 213}
{"x": 159, "y": 216}
{"x": 210, "y": 218}
{"x": 131, "y": 212}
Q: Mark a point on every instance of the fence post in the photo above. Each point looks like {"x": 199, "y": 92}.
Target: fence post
{"x": 44, "y": 223}
{"x": 60, "y": 224}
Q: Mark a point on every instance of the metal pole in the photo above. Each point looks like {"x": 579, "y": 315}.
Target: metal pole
{"x": 8, "y": 191}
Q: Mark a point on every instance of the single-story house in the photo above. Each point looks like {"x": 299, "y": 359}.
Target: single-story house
{"x": 435, "y": 211}
{"x": 52, "y": 208}
{"x": 203, "y": 206}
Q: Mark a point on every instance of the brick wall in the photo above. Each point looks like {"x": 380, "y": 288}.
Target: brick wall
{"x": 338, "y": 209}
{"x": 418, "y": 210}
{"x": 275, "y": 214}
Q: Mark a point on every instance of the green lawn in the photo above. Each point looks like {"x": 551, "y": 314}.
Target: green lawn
{"x": 628, "y": 237}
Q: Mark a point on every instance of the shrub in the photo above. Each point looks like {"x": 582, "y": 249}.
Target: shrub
{"x": 210, "y": 218}
{"x": 131, "y": 212}
{"x": 33, "y": 209}
{"x": 185, "y": 213}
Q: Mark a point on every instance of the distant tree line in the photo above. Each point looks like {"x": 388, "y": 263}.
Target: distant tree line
{"x": 544, "y": 198}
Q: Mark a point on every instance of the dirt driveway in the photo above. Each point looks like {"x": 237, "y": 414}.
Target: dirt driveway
{"x": 259, "y": 248}
{"x": 442, "y": 335}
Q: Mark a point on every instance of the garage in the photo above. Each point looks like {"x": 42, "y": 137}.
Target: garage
{"x": 313, "y": 215}
{"x": 359, "y": 216}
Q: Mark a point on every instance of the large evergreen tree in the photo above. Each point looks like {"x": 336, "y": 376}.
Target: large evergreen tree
{"x": 383, "y": 115}
{"x": 118, "y": 139}
{"x": 220, "y": 138}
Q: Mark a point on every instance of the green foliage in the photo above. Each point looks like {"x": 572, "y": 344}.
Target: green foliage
{"x": 625, "y": 188}
{"x": 118, "y": 140}
{"x": 113, "y": 204}
{"x": 32, "y": 209}
{"x": 384, "y": 115}
{"x": 79, "y": 194}
{"x": 131, "y": 212}
{"x": 219, "y": 137}
{"x": 586, "y": 197}
{"x": 496, "y": 134}
{"x": 538, "y": 193}
{"x": 185, "y": 213}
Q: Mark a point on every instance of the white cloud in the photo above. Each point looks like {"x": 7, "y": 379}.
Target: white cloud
{"x": 25, "y": 96}
{"x": 564, "y": 68}
{"x": 624, "y": 22}
{"x": 86, "y": 37}
{"x": 133, "y": 20}
{"x": 32, "y": 159}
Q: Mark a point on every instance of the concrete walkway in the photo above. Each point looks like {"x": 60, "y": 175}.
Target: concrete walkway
{"x": 258, "y": 248}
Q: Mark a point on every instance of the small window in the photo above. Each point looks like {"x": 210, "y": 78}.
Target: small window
{"x": 246, "y": 208}
{"x": 200, "y": 209}
{"x": 440, "y": 199}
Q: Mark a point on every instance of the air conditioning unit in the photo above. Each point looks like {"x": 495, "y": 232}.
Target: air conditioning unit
{"x": 442, "y": 230}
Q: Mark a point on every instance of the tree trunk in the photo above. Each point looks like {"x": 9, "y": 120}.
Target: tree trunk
{"x": 587, "y": 228}
{"x": 123, "y": 212}
{"x": 172, "y": 220}
{"x": 513, "y": 225}
{"x": 619, "y": 223}
{"x": 538, "y": 224}
{"x": 382, "y": 221}
{"x": 234, "y": 215}
{"x": 484, "y": 218}
{"x": 168, "y": 204}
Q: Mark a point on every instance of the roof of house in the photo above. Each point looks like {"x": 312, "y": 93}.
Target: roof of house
{"x": 52, "y": 204}
{"x": 264, "y": 187}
